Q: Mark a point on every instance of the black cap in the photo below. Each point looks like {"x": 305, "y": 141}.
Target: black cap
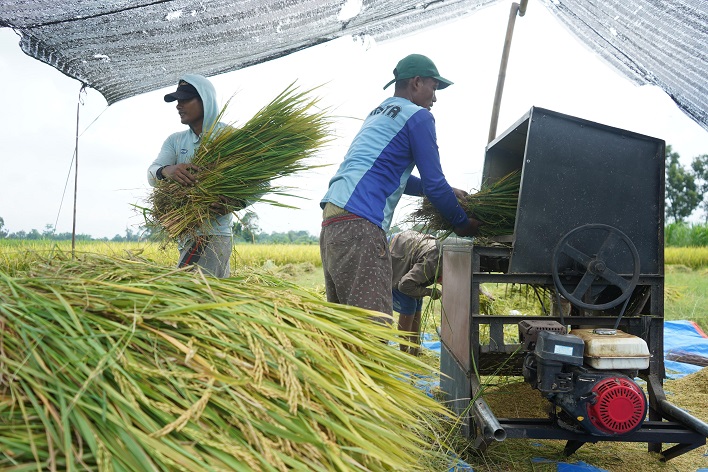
{"x": 185, "y": 91}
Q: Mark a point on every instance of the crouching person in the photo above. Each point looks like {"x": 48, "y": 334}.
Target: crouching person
{"x": 416, "y": 264}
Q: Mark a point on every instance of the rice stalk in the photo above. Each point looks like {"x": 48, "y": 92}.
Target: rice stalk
{"x": 494, "y": 205}
{"x": 237, "y": 165}
{"x": 117, "y": 364}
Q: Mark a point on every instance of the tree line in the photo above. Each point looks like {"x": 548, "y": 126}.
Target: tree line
{"x": 245, "y": 230}
{"x": 686, "y": 187}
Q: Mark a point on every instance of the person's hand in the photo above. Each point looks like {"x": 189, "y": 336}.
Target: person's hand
{"x": 238, "y": 204}
{"x": 460, "y": 194}
{"x": 221, "y": 207}
{"x": 436, "y": 293}
{"x": 226, "y": 205}
{"x": 184, "y": 173}
{"x": 470, "y": 229}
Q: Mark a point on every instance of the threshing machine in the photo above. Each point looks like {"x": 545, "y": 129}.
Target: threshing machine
{"x": 589, "y": 231}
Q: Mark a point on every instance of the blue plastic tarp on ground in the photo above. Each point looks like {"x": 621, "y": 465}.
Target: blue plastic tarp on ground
{"x": 579, "y": 466}
{"x": 685, "y": 337}
{"x": 461, "y": 466}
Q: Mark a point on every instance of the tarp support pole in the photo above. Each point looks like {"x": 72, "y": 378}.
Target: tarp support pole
{"x": 76, "y": 172}
{"x": 521, "y": 10}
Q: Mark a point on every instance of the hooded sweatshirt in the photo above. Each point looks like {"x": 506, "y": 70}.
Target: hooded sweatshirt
{"x": 179, "y": 147}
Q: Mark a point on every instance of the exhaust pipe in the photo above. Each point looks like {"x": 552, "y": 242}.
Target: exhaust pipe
{"x": 491, "y": 429}
{"x": 489, "y": 425}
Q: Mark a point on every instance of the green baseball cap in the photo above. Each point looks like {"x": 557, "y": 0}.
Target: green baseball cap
{"x": 417, "y": 65}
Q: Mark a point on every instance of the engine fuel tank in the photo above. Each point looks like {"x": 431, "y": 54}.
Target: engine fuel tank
{"x": 613, "y": 349}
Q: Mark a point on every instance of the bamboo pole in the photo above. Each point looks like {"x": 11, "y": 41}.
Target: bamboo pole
{"x": 521, "y": 10}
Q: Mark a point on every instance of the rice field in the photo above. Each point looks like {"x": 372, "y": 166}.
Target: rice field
{"x": 693, "y": 257}
{"x": 13, "y": 251}
{"x": 16, "y": 254}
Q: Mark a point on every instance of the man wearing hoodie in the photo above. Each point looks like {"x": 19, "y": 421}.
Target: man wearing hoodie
{"x": 198, "y": 109}
{"x": 397, "y": 136}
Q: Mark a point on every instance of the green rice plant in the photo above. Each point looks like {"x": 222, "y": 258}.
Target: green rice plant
{"x": 693, "y": 257}
{"x": 25, "y": 255}
{"x": 237, "y": 165}
{"x": 21, "y": 254}
{"x": 278, "y": 254}
{"x": 119, "y": 364}
{"x": 494, "y": 205}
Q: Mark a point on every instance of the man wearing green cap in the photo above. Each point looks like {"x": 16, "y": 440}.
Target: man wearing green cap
{"x": 397, "y": 136}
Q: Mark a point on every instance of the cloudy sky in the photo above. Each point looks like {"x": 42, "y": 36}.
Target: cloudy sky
{"x": 548, "y": 68}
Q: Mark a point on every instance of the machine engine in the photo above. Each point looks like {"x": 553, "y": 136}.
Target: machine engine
{"x": 588, "y": 374}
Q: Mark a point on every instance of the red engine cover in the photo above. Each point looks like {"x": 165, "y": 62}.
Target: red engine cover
{"x": 620, "y": 406}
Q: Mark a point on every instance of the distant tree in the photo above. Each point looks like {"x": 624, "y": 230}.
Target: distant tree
{"x": 145, "y": 233}
{"x": 3, "y": 231}
{"x": 48, "y": 232}
{"x": 275, "y": 238}
{"x": 299, "y": 237}
{"x": 291, "y": 237}
{"x": 700, "y": 169}
{"x": 682, "y": 196}
{"x": 246, "y": 227}
{"x": 237, "y": 229}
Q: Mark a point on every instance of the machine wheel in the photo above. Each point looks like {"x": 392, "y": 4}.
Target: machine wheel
{"x": 596, "y": 265}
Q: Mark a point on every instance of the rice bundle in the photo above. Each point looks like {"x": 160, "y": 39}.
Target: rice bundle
{"x": 494, "y": 205}
{"x": 238, "y": 165}
{"x": 120, "y": 365}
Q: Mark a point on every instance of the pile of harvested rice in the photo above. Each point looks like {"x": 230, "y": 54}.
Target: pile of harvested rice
{"x": 109, "y": 364}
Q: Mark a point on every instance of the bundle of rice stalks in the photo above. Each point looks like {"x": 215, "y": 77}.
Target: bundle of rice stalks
{"x": 238, "y": 165}
{"x": 119, "y": 365}
{"x": 494, "y": 205}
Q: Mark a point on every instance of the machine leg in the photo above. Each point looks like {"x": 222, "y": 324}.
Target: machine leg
{"x": 480, "y": 443}
{"x": 571, "y": 446}
{"x": 677, "y": 450}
